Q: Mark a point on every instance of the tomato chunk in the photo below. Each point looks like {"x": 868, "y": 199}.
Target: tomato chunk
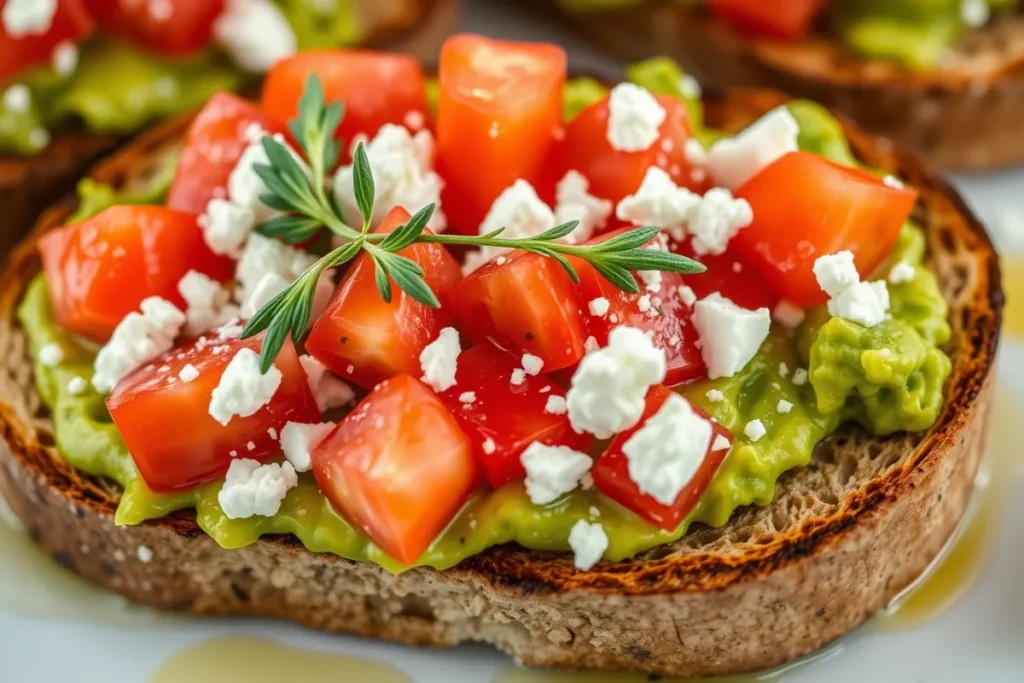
{"x": 376, "y": 87}
{"x": 172, "y": 27}
{"x": 166, "y": 424}
{"x": 499, "y": 110}
{"x": 524, "y": 303}
{"x": 788, "y": 20}
{"x": 731, "y": 275}
{"x": 398, "y": 467}
{"x": 366, "y": 339}
{"x": 806, "y": 206}
{"x": 611, "y": 473}
{"x": 213, "y": 145}
{"x": 503, "y": 418}
{"x": 98, "y": 271}
{"x": 23, "y": 49}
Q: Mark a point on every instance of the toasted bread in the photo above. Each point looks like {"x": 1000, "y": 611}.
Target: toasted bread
{"x": 963, "y": 115}
{"x": 30, "y": 184}
{"x": 844, "y": 535}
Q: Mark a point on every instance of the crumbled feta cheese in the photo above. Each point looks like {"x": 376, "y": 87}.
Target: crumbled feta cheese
{"x": 734, "y": 161}
{"x": 51, "y": 354}
{"x": 588, "y": 542}
{"x": 488, "y": 446}
{"x": 836, "y": 272}
{"x": 17, "y": 98}
{"x": 256, "y": 34}
{"x": 552, "y": 471}
{"x": 715, "y": 396}
{"x": 137, "y": 339}
{"x": 755, "y": 430}
{"x": 729, "y": 335}
{"x": 783, "y": 369}
{"x": 659, "y": 202}
{"x": 64, "y": 58}
{"x": 599, "y": 306}
{"x": 694, "y": 153}
{"x": 556, "y": 405}
{"x": 901, "y": 272}
{"x": 666, "y": 452}
{"x": 634, "y": 118}
{"x": 298, "y": 440}
{"x": 244, "y": 185}
{"x": 518, "y": 377}
{"x": 893, "y": 182}
{"x": 974, "y": 13}
{"x": 866, "y": 303}
{"x": 687, "y": 295}
{"x": 784, "y": 406}
{"x": 329, "y": 390}
{"x": 439, "y": 358}
{"x": 263, "y": 256}
{"x": 403, "y": 175}
{"x": 590, "y": 344}
{"x": 690, "y": 87}
{"x": 254, "y": 490}
{"x": 788, "y": 314}
{"x": 145, "y": 554}
{"x": 226, "y": 226}
{"x": 520, "y": 211}
{"x": 644, "y": 304}
{"x": 77, "y": 386}
{"x": 188, "y": 373}
{"x": 467, "y": 397}
{"x": 206, "y": 303}
{"x": 23, "y": 18}
{"x": 575, "y": 203}
{"x": 800, "y": 377}
{"x": 716, "y": 220}
{"x": 243, "y": 389}
{"x": 267, "y": 287}
{"x": 609, "y": 386}
{"x": 532, "y": 364}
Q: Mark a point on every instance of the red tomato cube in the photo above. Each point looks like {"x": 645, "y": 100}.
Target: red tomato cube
{"x": 789, "y": 20}
{"x": 165, "y": 421}
{"x": 611, "y": 473}
{"x": 366, "y": 339}
{"x": 70, "y": 23}
{"x": 98, "y": 271}
{"x": 398, "y": 467}
{"x": 731, "y": 275}
{"x": 173, "y": 27}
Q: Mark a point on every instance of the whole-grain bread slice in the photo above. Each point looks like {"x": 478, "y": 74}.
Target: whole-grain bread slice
{"x": 963, "y": 115}
{"x": 30, "y": 184}
{"x": 844, "y": 535}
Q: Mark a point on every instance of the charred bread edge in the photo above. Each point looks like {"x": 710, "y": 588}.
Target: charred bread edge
{"x": 690, "y": 614}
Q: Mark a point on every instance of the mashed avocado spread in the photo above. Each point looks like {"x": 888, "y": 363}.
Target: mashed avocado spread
{"x": 887, "y": 378}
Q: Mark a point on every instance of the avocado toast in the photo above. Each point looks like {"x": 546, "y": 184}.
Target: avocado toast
{"x": 843, "y": 535}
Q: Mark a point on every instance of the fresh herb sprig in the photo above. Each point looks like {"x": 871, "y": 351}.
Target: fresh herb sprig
{"x": 300, "y": 192}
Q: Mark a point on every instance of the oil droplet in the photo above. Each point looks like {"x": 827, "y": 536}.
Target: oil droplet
{"x": 1013, "y": 286}
{"x": 258, "y": 660}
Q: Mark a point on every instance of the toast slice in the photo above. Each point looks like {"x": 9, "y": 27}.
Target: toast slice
{"x": 30, "y": 184}
{"x": 962, "y": 116}
{"x": 844, "y": 535}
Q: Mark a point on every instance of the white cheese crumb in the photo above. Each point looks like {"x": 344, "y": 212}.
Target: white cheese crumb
{"x": 206, "y": 303}
{"x": 145, "y": 554}
{"x": 17, "y": 98}
{"x": 532, "y": 365}
{"x": 137, "y": 339}
{"x": 599, "y": 306}
{"x": 439, "y": 359}
{"x": 666, "y": 452}
{"x": 518, "y": 377}
{"x": 788, "y": 314}
{"x": 28, "y": 17}
{"x": 298, "y": 440}
{"x": 734, "y": 161}
{"x": 800, "y": 377}
{"x": 552, "y": 471}
{"x": 866, "y": 303}
{"x": 588, "y": 542}
{"x": 901, "y": 272}
{"x": 687, "y": 295}
{"x": 893, "y": 182}
{"x": 77, "y": 386}
{"x": 659, "y": 202}
{"x": 64, "y": 58}
{"x": 244, "y": 185}
{"x": 974, "y": 13}
{"x": 784, "y": 406}
{"x": 644, "y": 304}
{"x": 329, "y": 390}
{"x": 226, "y": 226}
{"x": 690, "y": 87}
{"x": 575, "y": 203}
{"x": 467, "y": 397}
{"x": 729, "y": 335}
{"x": 251, "y": 489}
{"x": 264, "y": 256}
{"x": 610, "y": 384}
{"x": 783, "y": 369}
{"x": 51, "y": 354}
{"x": 266, "y": 288}
{"x": 755, "y": 430}
{"x": 720, "y": 443}
{"x": 188, "y": 373}
{"x": 590, "y": 344}
{"x": 520, "y": 211}
{"x": 243, "y": 389}
{"x": 715, "y": 395}
{"x": 717, "y": 219}
{"x": 255, "y": 33}
{"x": 488, "y": 446}
{"x": 634, "y": 118}
{"x": 836, "y": 272}
{"x": 556, "y": 405}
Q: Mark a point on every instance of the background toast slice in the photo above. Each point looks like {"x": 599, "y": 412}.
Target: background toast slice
{"x": 844, "y": 535}
{"x": 965, "y": 115}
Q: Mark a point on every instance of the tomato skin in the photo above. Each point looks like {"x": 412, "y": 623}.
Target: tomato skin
{"x": 398, "y": 467}
{"x": 525, "y": 304}
{"x": 788, "y": 20}
{"x": 485, "y": 143}
{"x": 365, "y": 339}
{"x": 377, "y": 88}
{"x": 98, "y": 271}
{"x": 510, "y": 416}
{"x": 186, "y": 28}
{"x": 745, "y": 287}
{"x": 611, "y": 472}
{"x": 167, "y": 426}
{"x": 71, "y": 22}
{"x": 806, "y": 206}
{"x": 213, "y": 145}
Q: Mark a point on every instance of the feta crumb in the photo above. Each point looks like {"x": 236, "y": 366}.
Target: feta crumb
{"x": 552, "y": 471}
{"x": 784, "y": 406}
{"x": 715, "y": 396}
{"x": 243, "y": 389}
{"x": 532, "y": 365}
{"x": 329, "y": 390}
{"x": 687, "y": 295}
{"x": 244, "y": 185}
{"x": 575, "y": 203}
{"x": 666, "y": 452}
{"x": 694, "y": 153}
{"x": 298, "y": 440}
{"x": 734, "y": 161}
{"x": 520, "y": 211}
{"x": 439, "y": 358}
{"x": 788, "y": 314}
{"x": 755, "y": 430}
{"x": 634, "y": 118}
{"x": 255, "y": 33}
{"x": 901, "y": 272}
{"x": 137, "y": 339}
{"x": 974, "y": 13}
{"x": 226, "y": 226}
{"x": 188, "y": 373}
{"x": 893, "y": 182}
{"x": 729, "y": 335}
{"x": 690, "y": 87}
{"x": 720, "y": 443}
{"x": 51, "y": 354}
{"x": 590, "y": 344}
{"x": 644, "y": 304}
{"x": 610, "y": 384}
{"x": 800, "y": 377}
{"x": 518, "y": 377}
{"x": 145, "y": 554}
{"x": 206, "y": 303}
{"x": 467, "y": 397}
{"x": 836, "y": 272}
{"x": 783, "y": 369}
{"x": 866, "y": 303}
{"x": 263, "y": 256}
{"x": 64, "y": 58}
{"x": 599, "y": 306}
{"x": 17, "y": 98}
{"x": 588, "y": 542}
{"x": 659, "y": 202}
{"x": 716, "y": 220}
{"x": 77, "y": 386}
{"x": 23, "y": 18}
{"x": 556, "y": 405}
{"x": 488, "y": 446}
{"x": 251, "y": 489}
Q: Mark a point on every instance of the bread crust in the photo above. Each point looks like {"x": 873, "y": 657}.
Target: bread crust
{"x": 702, "y": 606}
{"x": 962, "y": 116}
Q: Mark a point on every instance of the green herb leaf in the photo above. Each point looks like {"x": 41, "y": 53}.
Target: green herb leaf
{"x": 344, "y": 253}
{"x": 557, "y": 232}
{"x": 304, "y": 125}
{"x": 617, "y": 275}
{"x": 408, "y": 275}
{"x": 362, "y": 180}
{"x": 627, "y": 240}
{"x": 404, "y": 235}
{"x": 291, "y": 229}
{"x": 381, "y": 276}
{"x": 653, "y": 259}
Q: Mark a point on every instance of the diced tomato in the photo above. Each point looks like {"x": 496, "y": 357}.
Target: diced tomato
{"x": 614, "y": 174}
{"x": 789, "y": 19}
{"x": 172, "y": 27}
{"x": 806, "y": 206}
{"x": 524, "y": 303}
{"x": 611, "y": 473}
{"x": 499, "y": 111}
{"x": 166, "y": 423}
{"x": 98, "y": 271}
{"x": 365, "y": 339}
{"x": 213, "y": 146}
{"x": 398, "y": 467}
{"x": 376, "y": 88}
{"x": 503, "y": 418}
{"x": 71, "y": 23}
{"x": 731, "y": 275}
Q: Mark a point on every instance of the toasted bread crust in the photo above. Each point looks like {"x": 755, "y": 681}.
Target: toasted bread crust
{"x": 702, "y": 606}
{"x": 963, "y": 116}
